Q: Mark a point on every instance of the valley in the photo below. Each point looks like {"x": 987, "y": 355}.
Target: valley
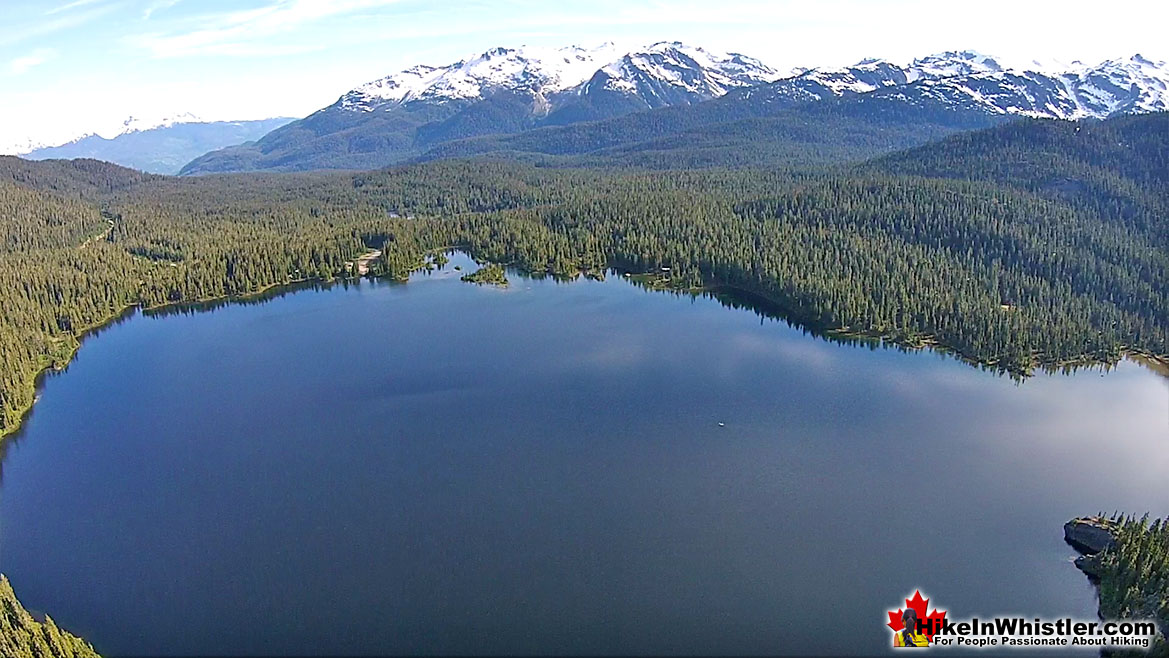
{"x": 895, "y": 248}
{"x": 637, "y": 348}
{"x": 554, "y": 466}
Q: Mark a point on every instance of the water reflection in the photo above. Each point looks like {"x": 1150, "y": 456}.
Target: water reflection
{"x": 256, "y": 299}
{"x": 586, "y": 467}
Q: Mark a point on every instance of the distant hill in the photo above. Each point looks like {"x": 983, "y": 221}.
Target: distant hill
{"x": 164, "y": 149}
{"x": 1047, "y": 155}
{"x": 733, "y": 131}
{"x": 1116, "y": 169}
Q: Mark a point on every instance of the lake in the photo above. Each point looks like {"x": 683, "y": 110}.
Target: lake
{"x": 584, "y": 467}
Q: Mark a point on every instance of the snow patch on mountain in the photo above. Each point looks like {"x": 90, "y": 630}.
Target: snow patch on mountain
{"x": 687, "y": 68}
{"x": 669, "y": 73}
{"x": 539, "y": 71}
{"x": 133, "y": 124}
{"x": 952, "y": 63}
{"x": 659, "y": 70}
{"x": 110, "y": 130}
{"x": 1136, "y": 84}
{"x": 974, "y": 80}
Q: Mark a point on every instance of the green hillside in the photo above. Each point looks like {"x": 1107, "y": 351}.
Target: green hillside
{"x": 735, "y": 131}
{"x": 1116, "y": 169}
{"x": 999, "y": 265}
{"x": 21, "y": 636}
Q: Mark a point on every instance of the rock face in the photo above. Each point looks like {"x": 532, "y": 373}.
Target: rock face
{"x": 1090, "y": 565}
{"x": 1090, "y": 535}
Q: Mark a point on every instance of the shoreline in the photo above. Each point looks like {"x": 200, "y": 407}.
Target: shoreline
{"x": 1111, "y": 551}
{"x": 1154, "y": 362}
{"x": 123, "y": 313}
{"x": 1157, "y": 363}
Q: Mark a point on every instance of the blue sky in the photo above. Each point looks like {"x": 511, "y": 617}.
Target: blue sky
{"x": 68, "y": 67}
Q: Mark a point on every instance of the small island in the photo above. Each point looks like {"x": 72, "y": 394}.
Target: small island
{"x": 489, "y": 274}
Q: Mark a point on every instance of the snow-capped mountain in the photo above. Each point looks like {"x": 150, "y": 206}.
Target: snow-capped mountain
{"x": 134, "y": 124}
{"x": 538, "y": 71}
{"x": 506, "y": 91}
{"x": 159, "y": 146}
{"x": 22, "y": 145}
{"x": 951, "y": 64}
{"x": 971, "y": 80}
{"x": 661, "y": 74}
{"x": 62, "y": 137}
{"x": 1135, "y": 84}
{"x": 671, "y": 73}
{"x": 503, "y": 90}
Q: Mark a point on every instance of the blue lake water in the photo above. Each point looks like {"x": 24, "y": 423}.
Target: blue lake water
{"x": 582, "y": 467}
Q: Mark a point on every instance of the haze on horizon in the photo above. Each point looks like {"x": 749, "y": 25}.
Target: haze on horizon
{"x": 73, "y": 67}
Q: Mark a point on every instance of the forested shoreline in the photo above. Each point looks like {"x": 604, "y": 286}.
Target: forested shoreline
{"x": 1056, "y": 255}
{"x": 1127, "y": 558}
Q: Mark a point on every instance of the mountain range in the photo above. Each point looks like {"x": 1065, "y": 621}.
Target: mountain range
{"x": 504, "y": 99}
{"x": 160, "y": 146}
{"x": 502, "y": 90}
{"x": 970, "y": 80}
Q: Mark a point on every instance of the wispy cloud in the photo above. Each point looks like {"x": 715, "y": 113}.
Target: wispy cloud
{"x": 64, "y": 21}
{"x": 35, "y": 58}
{"x": 161, "y": 5}
{"x": 69, "y": 6}
{"x": 239, "y": 32}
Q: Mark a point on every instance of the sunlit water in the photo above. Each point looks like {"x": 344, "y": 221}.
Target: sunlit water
{"x": 584, "y": 467}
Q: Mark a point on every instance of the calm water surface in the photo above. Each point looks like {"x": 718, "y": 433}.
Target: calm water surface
{"x": 440, "y": 467}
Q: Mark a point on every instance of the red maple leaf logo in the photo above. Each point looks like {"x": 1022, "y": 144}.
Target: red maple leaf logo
{"x": 930, "y": 623}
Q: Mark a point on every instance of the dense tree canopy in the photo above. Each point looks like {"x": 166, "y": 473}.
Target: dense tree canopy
{"x": 1134, "y": 575}
{"x": 1033, "y": 244}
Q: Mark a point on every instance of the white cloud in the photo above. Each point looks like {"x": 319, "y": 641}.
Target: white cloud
{"x": 35, "y": 58}
{"x": 235, "y": 33}
{"x": 71, "y": 5}
{"x": 157, "y": 7}
{"x": 115, "y": 54}
{"x": 819, "y": 355}
{"x": 44, "y": 28}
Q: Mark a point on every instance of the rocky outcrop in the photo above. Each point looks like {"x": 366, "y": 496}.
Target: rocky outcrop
{"x": 1090, "y": 565}
{"x": 1090, "y": 534}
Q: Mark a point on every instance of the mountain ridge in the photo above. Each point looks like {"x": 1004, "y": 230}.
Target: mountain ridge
{"x": 505, "y": 91}
{"x": 163, "y": 148}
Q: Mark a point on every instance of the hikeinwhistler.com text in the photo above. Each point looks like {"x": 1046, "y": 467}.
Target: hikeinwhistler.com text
{"x": 1007, "y": 632}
